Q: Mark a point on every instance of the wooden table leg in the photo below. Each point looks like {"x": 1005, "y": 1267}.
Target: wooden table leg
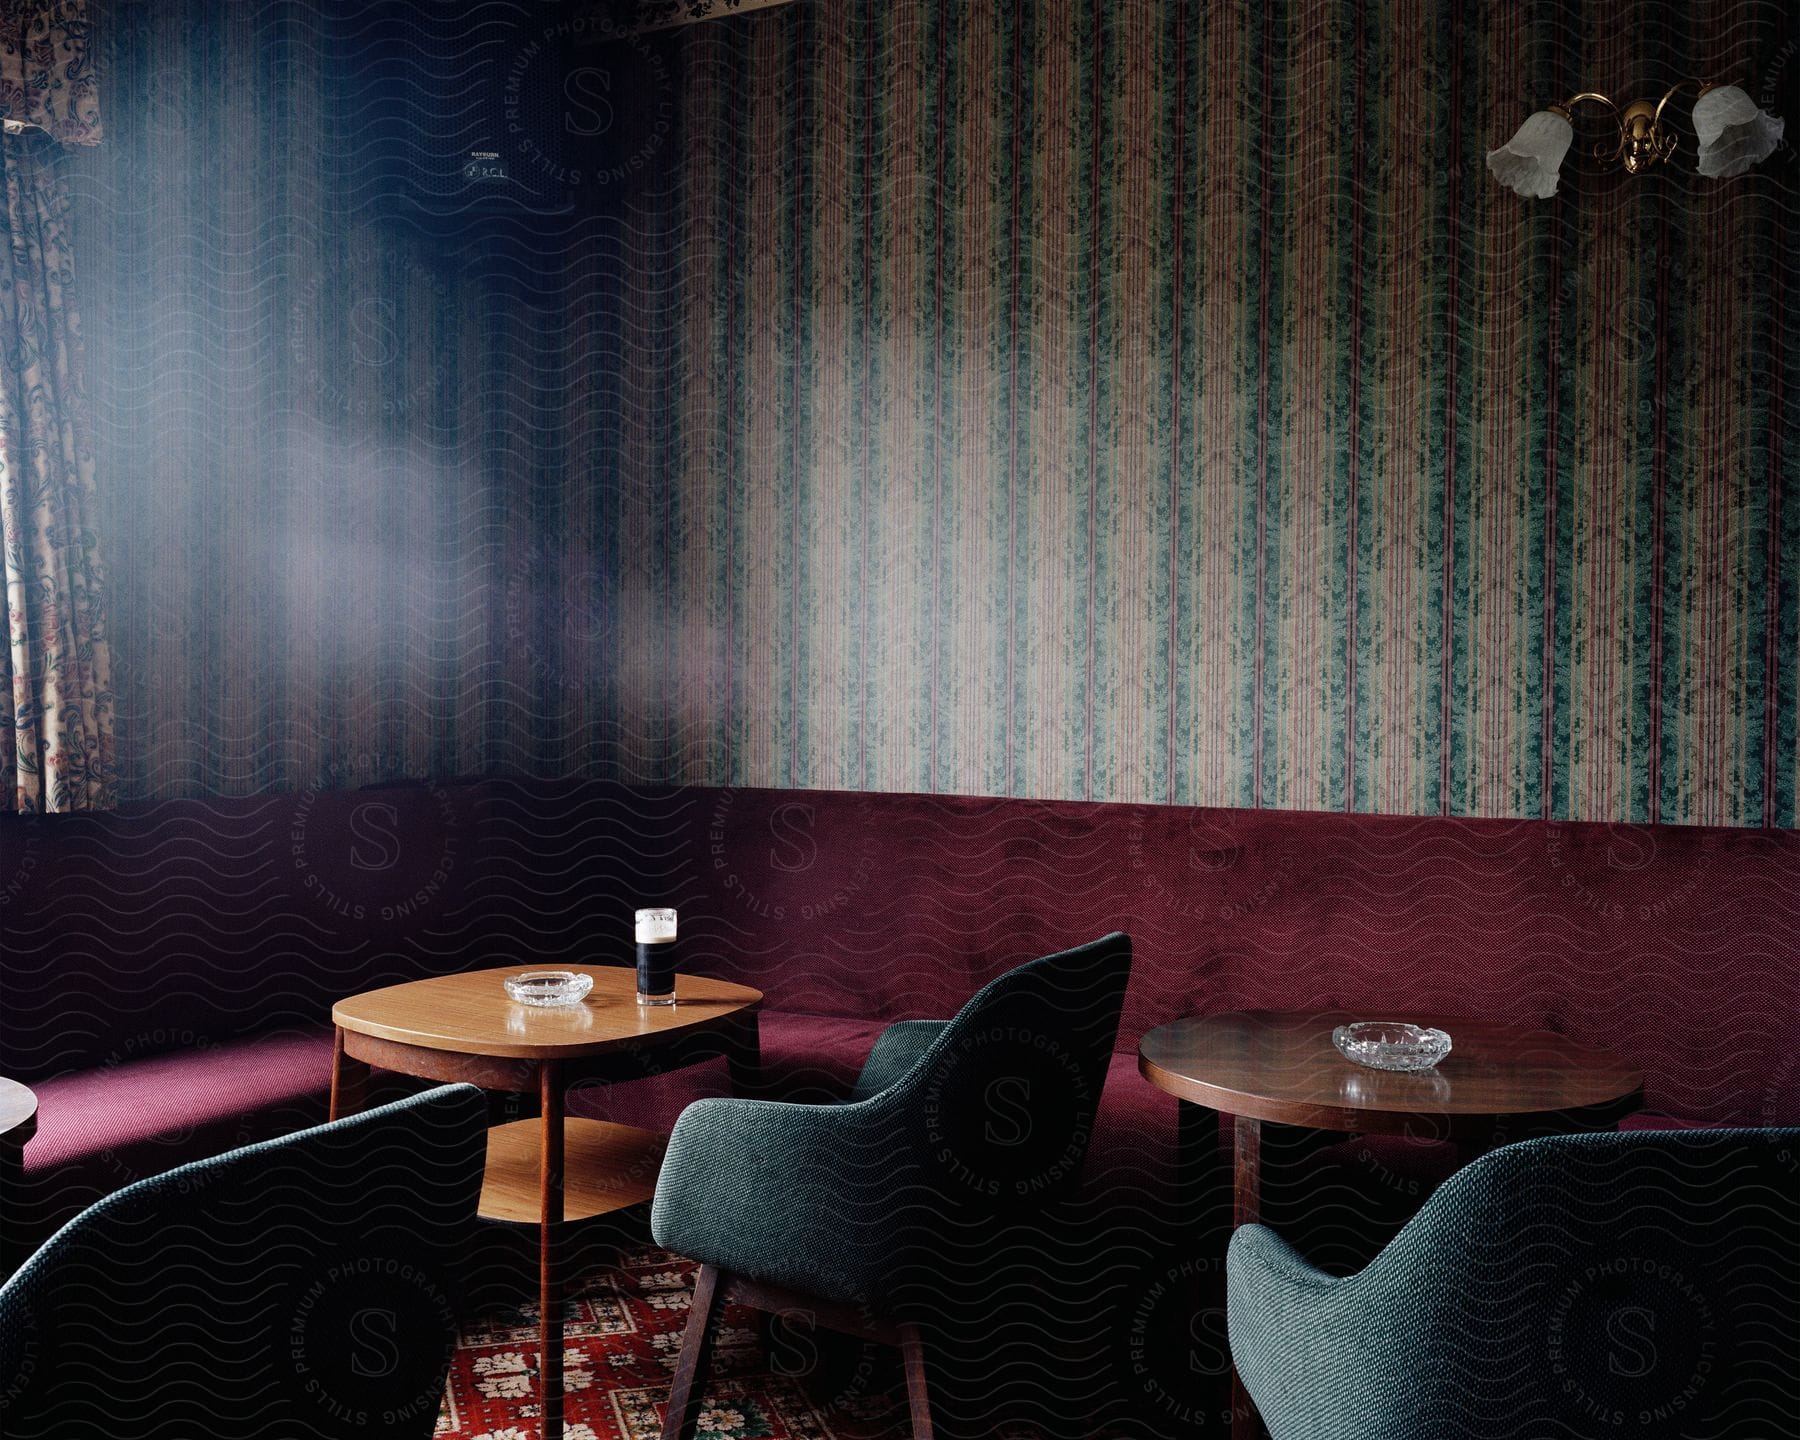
{"x": 348, "y": 1078}
{"x": 1202, "y": 1193}
{"x": 1282, "y": 1186}
{"x": 1246, "y": 1208}
{"x": 12, "y": 1182}
{"x": 1246, "y": 1172}
{"x": 550, "y": 1326}
{"x": 743, "y": 1060}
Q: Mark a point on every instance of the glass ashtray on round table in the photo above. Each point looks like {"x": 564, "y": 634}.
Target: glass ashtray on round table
{"x": 1497, "y": 1083}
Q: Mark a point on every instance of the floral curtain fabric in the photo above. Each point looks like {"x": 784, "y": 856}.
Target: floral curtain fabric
{"x": 634, "y": 17}
{"x": 47, "y": 70}
{"x": 56, "y": 710}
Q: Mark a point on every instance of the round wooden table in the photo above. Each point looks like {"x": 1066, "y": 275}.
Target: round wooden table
{"x": 554, "y": 1168}
{"x": 18, "y": 1123}
{"x": 1499, "y": 1083}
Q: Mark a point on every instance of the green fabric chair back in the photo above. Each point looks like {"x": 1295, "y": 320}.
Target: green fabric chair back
{"x": 307, "y": 1286}
{"x": 967, "y": 1130}
{"x": 1643, "y": 1284}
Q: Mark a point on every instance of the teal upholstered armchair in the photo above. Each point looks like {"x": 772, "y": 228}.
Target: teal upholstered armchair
{"x": 881, "y": 1215}
{"x": 306, "y": 1286}
{"x": 1643, "y": 1284}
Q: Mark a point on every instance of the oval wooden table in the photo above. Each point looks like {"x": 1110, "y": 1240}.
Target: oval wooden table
{"x": 554, "y": 1168}
{"x": 1499, "y": 1083}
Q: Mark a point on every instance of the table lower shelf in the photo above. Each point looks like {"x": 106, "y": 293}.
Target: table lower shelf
{"x": 606, "y": 1167}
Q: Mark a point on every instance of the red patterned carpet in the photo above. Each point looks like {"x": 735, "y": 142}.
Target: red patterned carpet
{"x": 623, "y": 1333}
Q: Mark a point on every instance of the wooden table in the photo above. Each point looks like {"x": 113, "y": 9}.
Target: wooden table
{"x": 554, "y": 1168}
{"x": 18, "y": 1123}
{"x": 1499, "y": 1083}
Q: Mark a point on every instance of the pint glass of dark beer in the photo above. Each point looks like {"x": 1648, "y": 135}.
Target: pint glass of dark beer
{"x": 656, "y": 957}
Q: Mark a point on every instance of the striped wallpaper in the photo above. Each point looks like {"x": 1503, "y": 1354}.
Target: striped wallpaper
{"x": 1160, "y": 402}
{"x": 1144, "y": 401}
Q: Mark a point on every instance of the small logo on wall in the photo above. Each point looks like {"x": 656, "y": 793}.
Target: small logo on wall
{"x": 383, "y": 858}
{"x": 484, "y": 165}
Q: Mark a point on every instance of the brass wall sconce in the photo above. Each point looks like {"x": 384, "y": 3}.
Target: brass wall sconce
{"x": 1732, "y": 134}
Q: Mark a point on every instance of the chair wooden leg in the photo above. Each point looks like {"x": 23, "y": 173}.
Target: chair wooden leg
{"x": 918, "y": 1394}
{"x": 694, "y": 1367}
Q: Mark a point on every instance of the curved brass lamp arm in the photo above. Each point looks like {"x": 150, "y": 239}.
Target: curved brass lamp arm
{"x": 1699, "y": 87}
{"x": 1574, "y": 100}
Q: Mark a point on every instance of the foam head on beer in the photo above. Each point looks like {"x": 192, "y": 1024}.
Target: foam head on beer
{"x": 655, "y": 927}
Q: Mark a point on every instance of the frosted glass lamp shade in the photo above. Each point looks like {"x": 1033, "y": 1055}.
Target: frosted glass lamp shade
{"x": 1528, "y": 163}
{"x": 1733, "y": 133}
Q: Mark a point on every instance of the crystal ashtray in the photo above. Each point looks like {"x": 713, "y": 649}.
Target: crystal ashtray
{"x": 549, "y": 987}
{"x": 1391, "y": 1045}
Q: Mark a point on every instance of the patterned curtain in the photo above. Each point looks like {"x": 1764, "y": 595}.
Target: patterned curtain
{"x": 637, "y": 17}
{"x": 47, "y": 69}
{"x": 56, "y": 711}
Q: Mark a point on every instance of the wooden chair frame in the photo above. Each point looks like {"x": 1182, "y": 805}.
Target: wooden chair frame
{"x": 714, "y": 1289}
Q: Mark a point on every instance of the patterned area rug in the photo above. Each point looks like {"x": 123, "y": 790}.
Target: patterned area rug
{"x": 623, "y": 1332}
